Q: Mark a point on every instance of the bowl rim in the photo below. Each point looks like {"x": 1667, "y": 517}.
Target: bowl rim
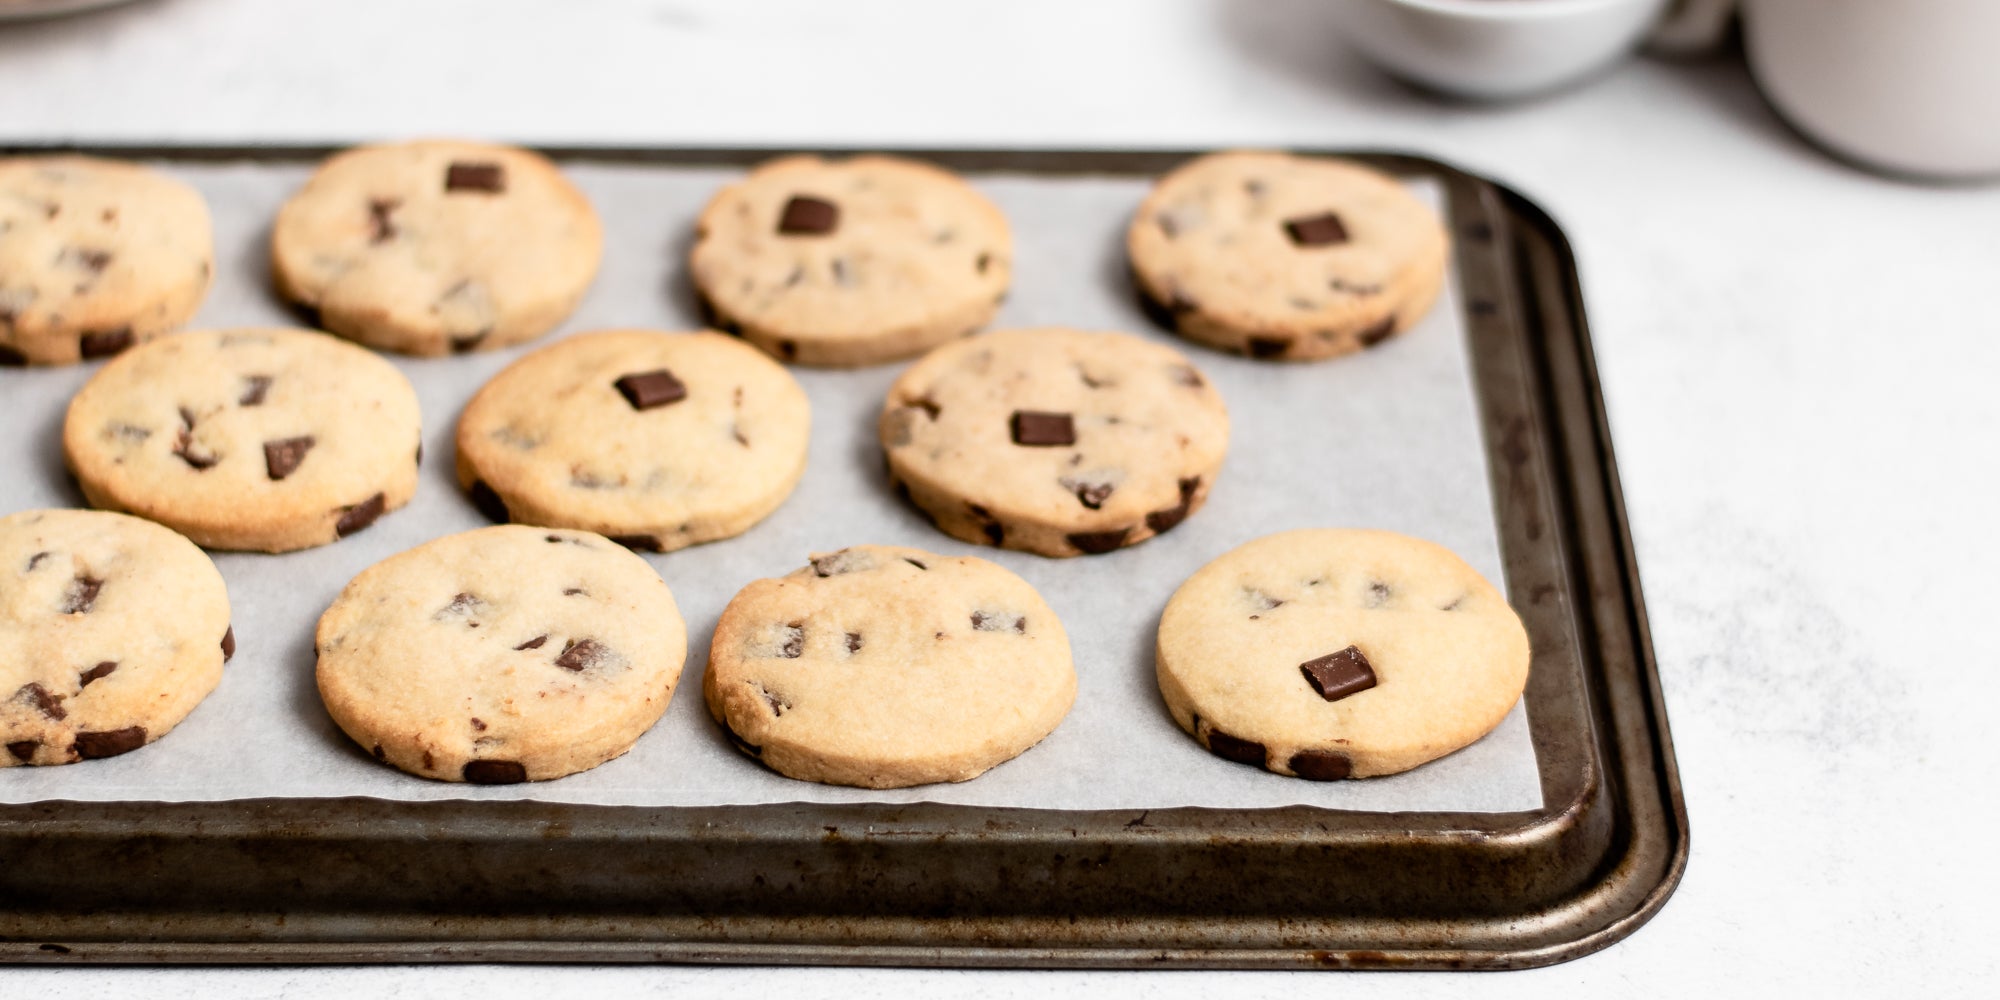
{"x": 1515, "y": 10}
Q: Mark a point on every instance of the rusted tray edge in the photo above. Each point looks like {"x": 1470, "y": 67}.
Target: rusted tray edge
{"x": 1634, "y": 890}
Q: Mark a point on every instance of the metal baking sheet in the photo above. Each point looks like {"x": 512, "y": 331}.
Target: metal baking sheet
{"x": 1390, "y": 439}
{"x": 1595, "y": 853}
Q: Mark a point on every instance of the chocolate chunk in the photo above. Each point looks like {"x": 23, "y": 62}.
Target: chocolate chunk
{"x": 228, "y": 643}
{"x": 1091, "y": 495}
{"x": 23, "y": 750}
{"x": 929, "y": 406}
{"x": 495, "y": 772}
{"x": 98, "y": 672}
{"x": 985, "y": 260}
{"x": 44, "y": 700}
{"x": 381, "y": 229}
{"x": 575, "y": 592}
{"x": 1321, "y": 765}
{"x": 1098, "y": 542}
{"x": 490, "y": 504}
{"x": 359, "y": 516}
{"x": 1455, "y": 604}
{"x": 742, "y": 744}
{"x": 1162, "y": 521}
{"x": 911, "y": 561}
{"x": 808, "y": 216}
{"x": 466, "y": 343}
{"x": 196, "y": 456}
{"x": 1229, "y": 747}
{"x": 844, "y": 561}
{"x": 111, "y": 743}
{"x": 1339, "y": 675}
{"x": 9, "y": 357}
{"x": 35, "y": 560}
{"x": 81, "y": 595}
{"x": 778, "y": 705}
{"x": 379, "y": 753}
{"x": 645, "y": 390}
{"x": 1378, "y": 593}
{"x": 1039, "y": 429}
{"x": 462, "y": 605}
{"x": 94, "y": 261}
{"x": 854, "y": 642}
{"x": 1269, "y": 347}
{"x": 478, "y": 725}
{"x": 1187, "y": 376}
{"x": 639, "y": 543}
{"x": 282, "y": 457}
{"x": 105, "y": 343}
{"x": 795, "y": 640}
{"x": 995, "y": 533}
{"x": 535, "y": 643}
{"x": 255, "y": 387}
{"x": 487, "y": 178}
{"x": 788, "y": 349}
{"x": 579, "y": 655}
{"x": 984, "y": 622}
{"x": 430, "y": 763}
{"x": 1379, "y": 332}
{"x": 1316, "y": 230}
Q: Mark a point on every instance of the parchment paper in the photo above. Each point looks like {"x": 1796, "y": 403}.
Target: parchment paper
{"x": 1388, "y": 439}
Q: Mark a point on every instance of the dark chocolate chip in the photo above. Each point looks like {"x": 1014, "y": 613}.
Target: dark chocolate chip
{"x": 255, "y": 387}
{"x": 430, "y": 763}
{"x": 1229, "y": 747}
{"x": 1162, "y": 521}
{"x": 646, "y": 390}
{"x": 81, "y": 595}
{"x": 379, "y": 753}
{"x": 35, "y": 560}
{"x": 575, "y": 592}
{"x": 98, "y": 672}
{"x": 788, "y": 349}
{"x": 985, "y": 260}
{"x": 915, "y": 563}
{"x": 1269, "y": 347}
{"x": 44, "y": 700}
{"x": 1316, "y": 230}
{"x": 111, "y": 743}
{"x": 23, "y": 750}
{"x": 579, "y": 655}
{"x": 381, "y": 228}
{"x": 1091, "y": 495}
{"x": 1379, "y": 332}
{"x": 1455, "y": 603}
{"x": 535, "y": 643}
{"x": 1378, "y": 593}
{"x": 795, "y": 640}
{"x": 478, "y": 725}
{"x": 9, "y": 357}
{"x": 488, "y": 178}
{"x": 282, "y": 457}
{"x": 105, "y": 343}
{"x": 929, "y": 406}
{"x": 778, "y": 705}
{"x": 1098, "y": 542}
{"x": 639, "y": 543}
{"x": 359, "y": 516}
{"x": 94, "y": 260}
{"x": 495, "y": 772}
{"x": 742, "y": 744}
{"x": 462, "y": 604}
{"x": 490, "y": 504}
{"x": 1187, "y": 376}
{"x": 228, "y": 643}
{"x": 198, "y": 458}
{"x": 808, "y": 216}
{"x": 854, "y": 642}
{"x": 466, "y": 343}
{"x": 995, "y": 532}
{"x": 844, "y": 561}
{"x": 1040, "y": 429}
{"x": 1321, "y": 765}
{"x": 1339, "y": 675}
{"x": 983, "y": 622}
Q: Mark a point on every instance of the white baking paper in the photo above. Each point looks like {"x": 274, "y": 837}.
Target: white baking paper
{"x": 1386, "y": 439}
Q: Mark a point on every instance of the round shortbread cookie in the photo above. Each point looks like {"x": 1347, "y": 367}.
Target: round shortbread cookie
{"x": 884, "y": 667}
{"x": 1054, "y": 441}
{"x": 1328, "y": 653}
{"x": 659, "y": 440}
{"x": 112, "y": 629}
{"x": 851, "y": 262}
{"x": 262, "y": 439}
{"x": 437, "y": 247}
{"x": 95, "y": 256}
{"x": 1286, "y": 257}
{"x": 501, "y": 655}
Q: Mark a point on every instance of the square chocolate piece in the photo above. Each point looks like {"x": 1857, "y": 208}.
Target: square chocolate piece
{"x": 488, "y": 178}
{"x": 1339, "y": 675}
{"x": 1037, "y": 429}
{"x": 645, "y": 390}
{"x": 1316, "y": 230}
{"x": 808, "y": 216}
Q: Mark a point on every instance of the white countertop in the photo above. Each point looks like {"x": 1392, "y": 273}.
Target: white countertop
{"x": 1798, "y": 360}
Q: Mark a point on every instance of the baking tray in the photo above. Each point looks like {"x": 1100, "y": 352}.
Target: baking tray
{"x": 359, "y": 879}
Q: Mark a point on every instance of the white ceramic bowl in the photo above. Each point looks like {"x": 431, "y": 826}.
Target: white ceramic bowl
{"x": 1904, "y": 86}
{"x": 1494, "y": 49}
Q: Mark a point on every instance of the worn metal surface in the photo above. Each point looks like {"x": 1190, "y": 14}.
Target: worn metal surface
{"x": 291, "y": 880}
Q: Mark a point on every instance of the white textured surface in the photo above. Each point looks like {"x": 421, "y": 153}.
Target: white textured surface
{"x": 1798, "y": 360}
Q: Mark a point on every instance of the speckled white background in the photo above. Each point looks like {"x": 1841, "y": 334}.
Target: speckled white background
{"x": 1797, "y": 357}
